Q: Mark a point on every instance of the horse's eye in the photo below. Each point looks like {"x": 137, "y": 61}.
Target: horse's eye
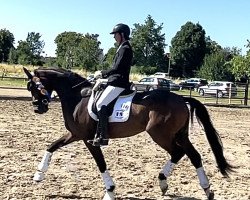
{"x": 29, "y": 84}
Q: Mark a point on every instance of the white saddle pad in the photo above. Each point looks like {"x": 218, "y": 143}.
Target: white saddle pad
{"x": 121, "y": 108}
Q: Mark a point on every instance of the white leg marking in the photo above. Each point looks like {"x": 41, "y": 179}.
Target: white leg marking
{"x": 204, "y": 183}
{"x": 38, "y": 176}
{"x": 107, "y": 180}
{"x": 168, "y": 168}
{"x": 42, "y": 167}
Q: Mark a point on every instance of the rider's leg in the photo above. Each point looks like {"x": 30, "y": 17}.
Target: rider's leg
{"x": 108, "y": 95}
{"x": 102, "y": 128}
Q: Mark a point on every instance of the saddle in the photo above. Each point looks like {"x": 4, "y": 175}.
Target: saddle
{"x": 118, "y": 109}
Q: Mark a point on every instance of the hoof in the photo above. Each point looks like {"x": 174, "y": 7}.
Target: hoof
{"x": 109, "y": 196}
{"x": 38, "y": 176}
{"x": 164, "y": 186}
{"x": 211, "y": 195}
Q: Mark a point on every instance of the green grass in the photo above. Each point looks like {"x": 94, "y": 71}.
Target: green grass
{"x": 12, "y": 83}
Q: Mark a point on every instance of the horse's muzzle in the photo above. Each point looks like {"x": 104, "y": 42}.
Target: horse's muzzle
{"x": 40, "y": 107}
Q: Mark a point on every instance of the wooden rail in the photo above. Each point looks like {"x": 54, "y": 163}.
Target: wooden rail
{"x": 13, "y": 77}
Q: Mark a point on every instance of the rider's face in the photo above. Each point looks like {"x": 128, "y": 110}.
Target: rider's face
{"x": 118, "y": 37}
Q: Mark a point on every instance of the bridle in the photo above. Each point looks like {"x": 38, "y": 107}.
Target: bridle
{"x": 40, "y": 96}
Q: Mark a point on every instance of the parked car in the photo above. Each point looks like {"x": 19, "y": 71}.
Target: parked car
{"x": 160, "y": 75}
{"x": 173, "y": 86}
{"x": 151, "y": 83}
{"x": 193, "y": 83}
{"x": 90, "y": 77}
{"x": 219, "y": 88}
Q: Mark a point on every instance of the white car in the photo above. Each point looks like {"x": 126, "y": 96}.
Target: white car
{"x": 160, "y": 75}
{"x": 90, "y": 77}
{"x": 218, "y": 88}
{"x": 151, "y": 83}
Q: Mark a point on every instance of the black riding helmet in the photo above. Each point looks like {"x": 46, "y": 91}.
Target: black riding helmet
{"x": 122, "y": 28}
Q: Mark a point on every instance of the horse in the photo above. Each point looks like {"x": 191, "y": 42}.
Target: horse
{"x": 164, "y": 115}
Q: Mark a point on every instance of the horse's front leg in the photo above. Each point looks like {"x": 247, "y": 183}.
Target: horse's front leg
{"x": 44, "y": 164}
{"x": 107, "y": 179}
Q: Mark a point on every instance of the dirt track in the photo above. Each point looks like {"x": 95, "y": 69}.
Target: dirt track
{"x": 134, "y": 162}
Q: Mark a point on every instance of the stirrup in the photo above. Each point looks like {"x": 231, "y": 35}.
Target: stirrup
{"x": 98, "y": 142}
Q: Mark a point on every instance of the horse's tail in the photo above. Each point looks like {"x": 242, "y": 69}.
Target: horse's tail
{"x": 213, "y": 137}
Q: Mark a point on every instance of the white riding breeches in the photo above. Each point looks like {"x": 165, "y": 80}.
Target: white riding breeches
{"x": 108, "y": 95}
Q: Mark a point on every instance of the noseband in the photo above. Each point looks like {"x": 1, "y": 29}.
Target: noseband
{"x": 39, "y": 86}
{"x": 40, "y": 96}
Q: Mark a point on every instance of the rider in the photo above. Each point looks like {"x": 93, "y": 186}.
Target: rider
{"x": 118, "y": 80}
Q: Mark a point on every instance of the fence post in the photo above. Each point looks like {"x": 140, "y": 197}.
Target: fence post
{"x": 190, "y": 92}
{"x": 230, "y": 94}
{"x": 217, "y": 91}
{"x": 3, "y": 74}
{"x": 246, "y": 92}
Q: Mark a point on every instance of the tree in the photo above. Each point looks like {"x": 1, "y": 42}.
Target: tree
{"x": 36, "y": 47}
{"x": 30, "y": 50}
{"x": 66, "y": 43}
{"x": 216, "y": 67}
{"x": 90, "y": 53}
{"x": 188, "y": 48}
{"x": 248, "y": 46}
{"x": 148, "y": 45}
{"x": 240, "y": 66}
{"x": 212, "y": 46}
{"x": 107, "y": 62}
{"x": 6, "y": 43}
{"x": 13, "y": 57}
{"x": 78, "y": 50}
{"x": 24, "y": 53}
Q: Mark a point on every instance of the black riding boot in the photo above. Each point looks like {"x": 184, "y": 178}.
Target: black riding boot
{"x": 101, "y": 137}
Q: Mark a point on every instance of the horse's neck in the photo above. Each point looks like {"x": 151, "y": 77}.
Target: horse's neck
{"x": 69, "y": 99}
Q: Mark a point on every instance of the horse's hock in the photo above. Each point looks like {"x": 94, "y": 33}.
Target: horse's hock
{"x": 74, "y": 175}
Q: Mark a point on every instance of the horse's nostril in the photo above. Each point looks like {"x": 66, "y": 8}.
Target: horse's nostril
{"x": 45, "y": 101}
{"x": 35, "y": 102}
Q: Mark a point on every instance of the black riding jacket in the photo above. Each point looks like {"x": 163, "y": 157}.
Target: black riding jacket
{"x": 118, "y": 75}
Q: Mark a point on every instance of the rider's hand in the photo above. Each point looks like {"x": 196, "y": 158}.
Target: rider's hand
{"x": 98, "y": 74}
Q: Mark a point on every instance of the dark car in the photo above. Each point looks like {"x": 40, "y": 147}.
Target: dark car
{"x": 193, "y": 83}
{"x": 151, "y": 83}
{"x": 173, "y": 86}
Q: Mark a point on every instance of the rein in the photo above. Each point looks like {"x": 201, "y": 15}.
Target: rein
{"x": 79, "y": 84}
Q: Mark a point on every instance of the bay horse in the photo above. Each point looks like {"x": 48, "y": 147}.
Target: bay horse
{"x": 164, "y": 115}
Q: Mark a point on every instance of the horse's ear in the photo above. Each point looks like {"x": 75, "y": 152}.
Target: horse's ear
{"x": 27, "y": 73}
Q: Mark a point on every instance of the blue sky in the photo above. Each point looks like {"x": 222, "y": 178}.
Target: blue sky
{"x": 225, "y": 21}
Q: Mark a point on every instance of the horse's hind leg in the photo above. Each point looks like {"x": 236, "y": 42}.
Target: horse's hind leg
{"x": 195, "y": 158}
{"x": 176, "y": 155}
{"x": 44, "y": 164}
